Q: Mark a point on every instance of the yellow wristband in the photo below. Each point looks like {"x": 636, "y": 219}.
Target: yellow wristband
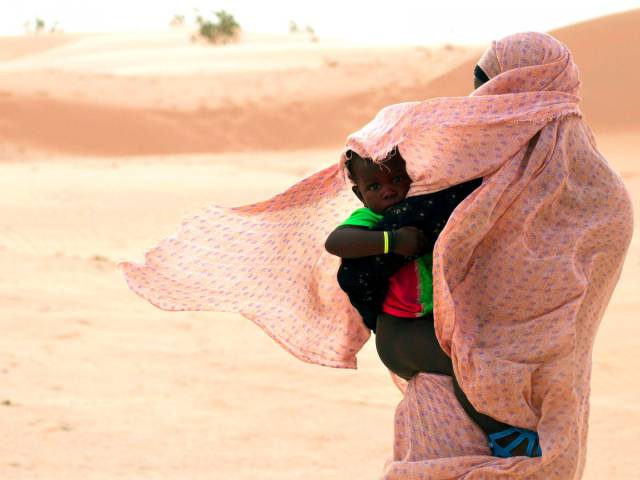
{"x": 386, "y": 242}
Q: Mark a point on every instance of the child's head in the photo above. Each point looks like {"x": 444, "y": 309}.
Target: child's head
{"x": 378, "y": 186}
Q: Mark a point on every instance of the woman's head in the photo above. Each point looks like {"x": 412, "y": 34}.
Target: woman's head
{"x": 526, "y": 62}
{"x": 450, "y": 140}
{"x": 378, "y": 186}
{"x": 487, "y": 67}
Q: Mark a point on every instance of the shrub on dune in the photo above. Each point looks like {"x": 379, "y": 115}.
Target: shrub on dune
{"x": 224, "y": 29}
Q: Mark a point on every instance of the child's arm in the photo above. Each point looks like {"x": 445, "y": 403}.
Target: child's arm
{"x": 355, "y": 242}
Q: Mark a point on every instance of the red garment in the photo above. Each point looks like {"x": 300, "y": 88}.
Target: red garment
{"x": 410, "y": 291}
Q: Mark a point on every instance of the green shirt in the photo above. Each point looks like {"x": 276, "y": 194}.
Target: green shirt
{"x": 362, "y": 217}
{"x": 410, "y": 292}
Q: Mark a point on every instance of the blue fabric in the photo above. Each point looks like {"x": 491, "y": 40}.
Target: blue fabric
{"x": 531, "y": 437}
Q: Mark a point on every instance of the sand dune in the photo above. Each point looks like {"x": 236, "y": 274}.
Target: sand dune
{"x": 106, "y": 141}
{"x": 606, "y": 51}
{"x": 111, "y": 95}
{"x": 12, "y": 48}
{"x": 159, "y": 94}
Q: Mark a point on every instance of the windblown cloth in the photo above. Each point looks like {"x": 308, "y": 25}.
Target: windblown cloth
{"x": 523, "y": 269}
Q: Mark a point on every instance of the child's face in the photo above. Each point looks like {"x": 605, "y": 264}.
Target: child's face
{"x": 380, "y": 186}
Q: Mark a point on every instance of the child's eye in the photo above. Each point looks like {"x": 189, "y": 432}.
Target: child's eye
{"x": 373, "y": 186}
{"x": 400, "y": 179}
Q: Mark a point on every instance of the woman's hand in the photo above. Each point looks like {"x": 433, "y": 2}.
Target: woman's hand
{"x": 409, "y": 241}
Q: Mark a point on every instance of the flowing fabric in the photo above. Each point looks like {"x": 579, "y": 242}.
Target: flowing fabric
{"x": 523, "y": 269}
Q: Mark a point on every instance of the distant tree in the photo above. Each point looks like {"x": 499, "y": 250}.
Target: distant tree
{"x": 312, "y": 33}
{"x": 293, "y": 27}
{"x": 223, "y": 30}
{"x": 39, "y": 25}
{"x": 227, "y": 25}
{"x": 177, "y": 21}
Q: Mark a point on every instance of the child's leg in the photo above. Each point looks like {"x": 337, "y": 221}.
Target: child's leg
{"x": 408, "y": 346}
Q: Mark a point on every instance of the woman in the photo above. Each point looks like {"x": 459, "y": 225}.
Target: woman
{"x": 522, "y": 272}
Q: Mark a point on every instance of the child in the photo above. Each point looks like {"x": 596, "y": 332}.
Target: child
{"x": 379, "y": 189}
{"x": 386, "y": 246}
{"x": 387, "y": 269}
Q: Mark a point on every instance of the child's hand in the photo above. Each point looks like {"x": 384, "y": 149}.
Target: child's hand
{"x": 409, "y": 241}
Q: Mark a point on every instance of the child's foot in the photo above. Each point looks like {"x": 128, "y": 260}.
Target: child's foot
{"x": 513, "y": 442}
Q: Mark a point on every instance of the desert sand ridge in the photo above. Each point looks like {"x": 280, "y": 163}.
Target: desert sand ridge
{"x": 131, "y": 94}
{"x": 12, "y": 48}
{"x": 101, "y": 95}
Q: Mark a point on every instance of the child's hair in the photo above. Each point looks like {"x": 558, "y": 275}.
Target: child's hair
{"x": 351, "y": 155}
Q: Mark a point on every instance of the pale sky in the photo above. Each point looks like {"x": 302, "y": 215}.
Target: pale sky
{"x": 401, "y": 21}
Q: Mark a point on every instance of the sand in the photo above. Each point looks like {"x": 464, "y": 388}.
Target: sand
{"x": 108, "y": 140}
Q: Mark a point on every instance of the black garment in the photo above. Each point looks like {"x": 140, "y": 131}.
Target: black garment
{"x": 408, "y": 346}
{"x": 480, "y": 75}
{"x": 366, "y": 280}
